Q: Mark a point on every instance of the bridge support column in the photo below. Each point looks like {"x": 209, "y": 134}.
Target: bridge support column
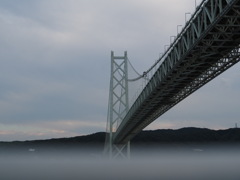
{"x": 121, "y": 151}
{"x": 118, "y": 105}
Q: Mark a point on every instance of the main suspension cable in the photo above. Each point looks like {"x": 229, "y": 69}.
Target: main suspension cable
{"x": 144, "y": 75}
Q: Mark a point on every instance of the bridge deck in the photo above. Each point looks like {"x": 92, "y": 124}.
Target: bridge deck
{"x": 208, "y": 46}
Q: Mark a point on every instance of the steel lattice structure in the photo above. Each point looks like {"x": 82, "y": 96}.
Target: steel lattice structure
{"x": 206, "y": 47}
{"x": 118, "y": 104}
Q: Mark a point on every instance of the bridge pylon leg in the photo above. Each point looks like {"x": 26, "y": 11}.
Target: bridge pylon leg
{"x": 118, "y": 105}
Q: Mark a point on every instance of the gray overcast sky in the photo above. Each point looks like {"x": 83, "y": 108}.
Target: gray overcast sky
{"x": 55, "y": 65}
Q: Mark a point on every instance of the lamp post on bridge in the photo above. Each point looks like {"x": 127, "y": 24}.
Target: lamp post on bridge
{"x": 186, "y": 16}
{"x": 165, "y": 47}
{"x": 172, "y": 37}
{"x": 178, "y": 27}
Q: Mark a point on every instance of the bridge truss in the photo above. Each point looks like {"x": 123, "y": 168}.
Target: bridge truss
{"x": 206, "y": 47}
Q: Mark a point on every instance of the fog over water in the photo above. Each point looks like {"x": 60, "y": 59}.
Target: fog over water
{"x": 219, "y": 164}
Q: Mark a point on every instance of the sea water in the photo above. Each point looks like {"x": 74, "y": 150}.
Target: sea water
{"x": 197, "y": 164}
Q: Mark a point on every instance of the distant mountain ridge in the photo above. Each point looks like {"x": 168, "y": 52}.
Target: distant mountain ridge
{"x": 95, "y": 142}
{"x": 189, "y": 134}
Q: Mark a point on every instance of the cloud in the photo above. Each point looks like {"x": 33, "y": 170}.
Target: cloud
{"x": 50, "y": 129}
{"x": 55, "y": 63}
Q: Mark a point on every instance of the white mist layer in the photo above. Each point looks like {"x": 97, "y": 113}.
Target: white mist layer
{"x": 219, "y": 165}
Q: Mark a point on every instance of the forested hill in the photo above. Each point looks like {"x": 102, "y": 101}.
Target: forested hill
{"x": 188, "y": 135}
{"x": 95, "y": 142}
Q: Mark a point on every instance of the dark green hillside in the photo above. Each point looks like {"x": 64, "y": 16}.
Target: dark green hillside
{"x": 94, "y": 143}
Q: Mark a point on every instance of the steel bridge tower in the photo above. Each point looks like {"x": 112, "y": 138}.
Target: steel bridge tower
{"x": 118, "y": 105}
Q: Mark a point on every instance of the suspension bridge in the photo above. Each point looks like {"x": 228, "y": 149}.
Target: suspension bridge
{"x": 207, "y": 46}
